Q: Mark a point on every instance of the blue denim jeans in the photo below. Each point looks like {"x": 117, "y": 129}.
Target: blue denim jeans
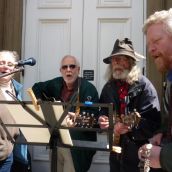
{"x": 5, "y": 165}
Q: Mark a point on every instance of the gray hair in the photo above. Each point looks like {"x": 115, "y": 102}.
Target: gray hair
{"x": 132, "y": 77}
{"x": 13, "y": 54}
{"x": 160, "y": 17}
{"x": 70, "y": 56}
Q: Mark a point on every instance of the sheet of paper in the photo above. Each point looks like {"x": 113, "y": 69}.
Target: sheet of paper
{"x": 47, "y": 113}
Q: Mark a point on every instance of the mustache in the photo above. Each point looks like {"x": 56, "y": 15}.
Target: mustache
{"x": 120, "y": 75}
{"x": 118, "y": 67}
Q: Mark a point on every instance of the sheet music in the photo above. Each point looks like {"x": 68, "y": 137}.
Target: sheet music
{"x": 45, "y": 113}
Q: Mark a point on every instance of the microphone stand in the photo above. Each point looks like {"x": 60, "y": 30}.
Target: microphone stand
{"x": 12, "y": 72}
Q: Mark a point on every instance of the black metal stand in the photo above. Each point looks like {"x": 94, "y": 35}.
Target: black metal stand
{"x": 55, "y": 137}
{"x": 55, "y": 140}
{"x": 53, "y": 147}
{"x": 13, "y": 72}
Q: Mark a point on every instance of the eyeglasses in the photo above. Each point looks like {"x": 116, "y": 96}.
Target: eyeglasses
{"x": 71, "y": 66}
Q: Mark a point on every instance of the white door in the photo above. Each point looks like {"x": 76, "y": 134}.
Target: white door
{"x": 104, "y": 21}
{"x": 52, "y": 29}
{"x": 86, "y": 29}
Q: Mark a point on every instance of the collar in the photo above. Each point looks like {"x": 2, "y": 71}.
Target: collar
{"x": 169, "y": 76}
{"x": 76, "y": 84}
{"x": 120, "y": 82}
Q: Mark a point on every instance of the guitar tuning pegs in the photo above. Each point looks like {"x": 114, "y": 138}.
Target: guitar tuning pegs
{"x": 88, "y": 114}
{"x": 85, "y": 120}
{"x": 92, "y": 115}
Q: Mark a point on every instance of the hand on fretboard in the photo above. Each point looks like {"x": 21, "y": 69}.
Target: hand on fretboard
{"x": 131, "y": 120}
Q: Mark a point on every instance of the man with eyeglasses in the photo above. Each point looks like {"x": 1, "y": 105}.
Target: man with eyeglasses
{"x": 62, "y": 88}
{"x": 13, "y": 157}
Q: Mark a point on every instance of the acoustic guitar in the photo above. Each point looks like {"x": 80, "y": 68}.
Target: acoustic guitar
{"x": 131, "y": 120}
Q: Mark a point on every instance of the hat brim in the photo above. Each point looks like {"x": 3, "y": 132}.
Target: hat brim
{"x": 107, "y": 60}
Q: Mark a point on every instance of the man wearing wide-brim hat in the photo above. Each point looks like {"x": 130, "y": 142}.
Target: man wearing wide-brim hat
{"x": 129, "y": 91}
{"x": 123, "y": 47}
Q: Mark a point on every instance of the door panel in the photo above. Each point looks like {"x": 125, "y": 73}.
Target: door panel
{"x": 52, "y": 30}
{"x": 86, "y": 29}
{"x": 104, "y": 22}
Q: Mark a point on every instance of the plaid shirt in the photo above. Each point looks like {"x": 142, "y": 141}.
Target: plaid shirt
{"x": 122, "y": 92}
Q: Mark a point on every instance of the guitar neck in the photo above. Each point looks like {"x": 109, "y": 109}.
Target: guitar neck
{"x": 131, "y": 120}
{"x": 85, "y": 120}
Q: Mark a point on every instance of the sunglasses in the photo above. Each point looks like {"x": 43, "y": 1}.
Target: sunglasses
{"x": 71, "y": 66}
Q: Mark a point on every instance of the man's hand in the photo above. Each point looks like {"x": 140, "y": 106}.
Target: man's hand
{"x": 70, "y": 119}
{"x": 103, "y": 122}
{"x": 121, "y": 128}
{"x": 154, "y": 156}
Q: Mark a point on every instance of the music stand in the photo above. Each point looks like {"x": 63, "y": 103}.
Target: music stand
{"x": 38, "y": 126}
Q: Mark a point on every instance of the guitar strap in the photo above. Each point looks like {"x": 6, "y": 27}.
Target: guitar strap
{"x": 77, "y": 110}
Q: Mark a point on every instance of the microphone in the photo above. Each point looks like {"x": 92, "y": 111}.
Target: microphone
{"x": 30, "y": 61}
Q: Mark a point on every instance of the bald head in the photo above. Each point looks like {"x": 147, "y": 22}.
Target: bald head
{"x": 68, "y": 58}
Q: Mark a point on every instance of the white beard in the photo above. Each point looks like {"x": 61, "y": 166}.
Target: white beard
{"x": 121, "y": 75}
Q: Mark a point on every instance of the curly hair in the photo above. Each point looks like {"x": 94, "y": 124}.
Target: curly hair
{"x": 12, "y": 54}
{"x": 160, "y": 17}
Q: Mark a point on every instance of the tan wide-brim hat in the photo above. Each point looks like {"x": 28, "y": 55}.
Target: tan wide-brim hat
{"x": 122, "y": 47}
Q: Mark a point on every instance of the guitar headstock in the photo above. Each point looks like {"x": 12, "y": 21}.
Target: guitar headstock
{"x": 85, "y": 120}
{"x": 132, "y": 119}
